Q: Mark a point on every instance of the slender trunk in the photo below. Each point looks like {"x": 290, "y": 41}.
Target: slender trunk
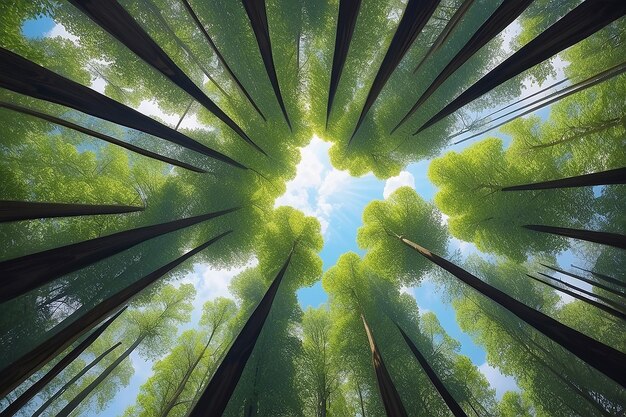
{"x": 346, "y": 22}
{"x": 594, "y": 303}
{"x": 23, "y": 274}
{"x": 25, "y": 77}
{"x": 604, "y": 238}
{"x": 25, "y": 210}
{"x": 358, "y": 388}
{"x": 184, "y": 114}
{"x": 590, "y": 131}
{"x": 606, "y": 300}
{"x": 582, "y": 22}
{"x": 499, "y": 19}
{"x": 588, "y": 281}
{"x": 224, "y": 381}
{"x": 255, "y": 9}
{"x": 389, "y": 394}
{"x": 75, "y": 378}
{"x": 112, "y": 17}
{"x": 98, "y": 135}
{"x": 416, "y": 15}
{"x": 614, "y": 176}
{"x": 81, "y": 322}
{"x": 57, "y": 368}
{"x": 221, "y": 58}
{"x": 605, "y": 359}
{"x": 89, "y": 389}
{"x": 454, "y": 407}
{"x": 604, "y": 277}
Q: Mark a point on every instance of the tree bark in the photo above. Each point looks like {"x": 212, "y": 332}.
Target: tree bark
{"x": 358, "y": 388}
{"x": 11, "y": 211}
{"x": 603, "y": 238}
{"x": 605, "y": 359}
{"x": 613, "y": 176}
{"x": 34, "y": 389}
{"x": 113, "y": 18}
{"x": 603, "y": 277}
{"x": 255, "y": 9}
{"x": 454, "y": 407}
{"x": 582, "y": 22}
{"x": 224, "y": 381}
{"x": 588, "y": 281}
{"x": 23, "y": 274}
{"x": 80, "y": 322}
{"x": 25, "y": 77}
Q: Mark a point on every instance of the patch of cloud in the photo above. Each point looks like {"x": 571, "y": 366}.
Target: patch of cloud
{"x": 151, "y": 108}
{"x": 59, "y": 31}
{"x": 500, "y": 382}
{"x": 392, "y": 184}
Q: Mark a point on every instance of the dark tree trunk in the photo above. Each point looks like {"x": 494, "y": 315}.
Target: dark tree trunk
{"x": 101, "y": 136}
{"x": 14, "y": 374}
{"x": 389, "y": 394}
{"x": 257, "y": 14}
{"x": 113, "y": 18}
{"x": 20, "y": 275}
{"x": 454, "y": 407}
{"x": 605, "y": 359}
{"x": 594, "y": 303}
{"x": 613, "y": 176}
{"x": 11, "y": 211}
{"x": 25, "y": 77}
{"x": 224, "y": 381}
{"x": 75, "y": 378}
{"x": 346, "y": 22}
{"x": 57, "y": 368}
{"x": 220, "y": 57}
{"x": 497, "y": 22}
{"x": 358, "y": 388}
{"x": 604, "y": 238}
{"x": 582, "y": 22}
{"x": 604, "y": 277}
{"x": 415, "y": 17}
{"x": 588, "y": 281}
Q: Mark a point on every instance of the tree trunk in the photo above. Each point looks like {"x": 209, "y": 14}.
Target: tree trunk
{"x": 255, "y": 9}
{"x": 582, "y": 22}
{"x": 454, "y": 407}
{"x": 183, "y": 115}
{"x": 603, "y": 277}
{"x": 75, "y": 378}
{"x": 25, "y": 77}
{"x": 89, "y": 389}
{"x": 34, "y": 389}
{"x": 80, "y": 322}
{"x": 614, "y": 176}
{"x": 588, "y": 281}
{"x": 389, "y": 394}
{"x": 98, "y": 135}
{"x": 23, "y": 274}
{"x": 25, "y": 210}
{"x": 224, "y": 381}
{"x": 113, "y": 18}
{"x": 221, "y": 58}
{"x": 346, "y": 22}
{"x": 603, "y": 238}
{"x": 605, "y": 359}
{"x": 416, "y": 15}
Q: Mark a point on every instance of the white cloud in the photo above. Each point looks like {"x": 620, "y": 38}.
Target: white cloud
{"x": 59, "y": 31}
{"x": 501, "y": 383}
{"x": 393, "y": 183}
{"x": 152, "y": 109}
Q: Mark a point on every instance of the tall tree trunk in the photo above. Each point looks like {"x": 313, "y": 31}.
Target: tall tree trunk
{"x": 391, "y": 398}
{"x": 606, "y": 300}
{"x": 594, "y": 303}
{"x": 605, "y": 359}
{"x": 613, "y": 176}
{"x": 23, "y": 274}
{"x": 604, "y": 238}
{"x": 346, "y": 22}
{"x": 57, "y": 368}
{"x": 11, "y": 211}
{"x": 93, "y": 385}
{"x": 414, "y": 18}
{"x": 224, "y": 381}
{"x": 25, "y": 77}
{"x": 112, "y": 17}
{"x": 358, "y": 388}
{"x": 588, "y": 281}
{"x": 75, "y": 378}
{"x": 582, "y": 22}
{"x": 604, "y": 277}
{"x": 454, "y": 407}
{"x": 80, "y": 322}
{"x": 221, "y": 58}
{"x": 499, "y": 19}
{"x": 98, "y": 135}
{"x": 184, "y": 114}
{"x": 255, "y": 9}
